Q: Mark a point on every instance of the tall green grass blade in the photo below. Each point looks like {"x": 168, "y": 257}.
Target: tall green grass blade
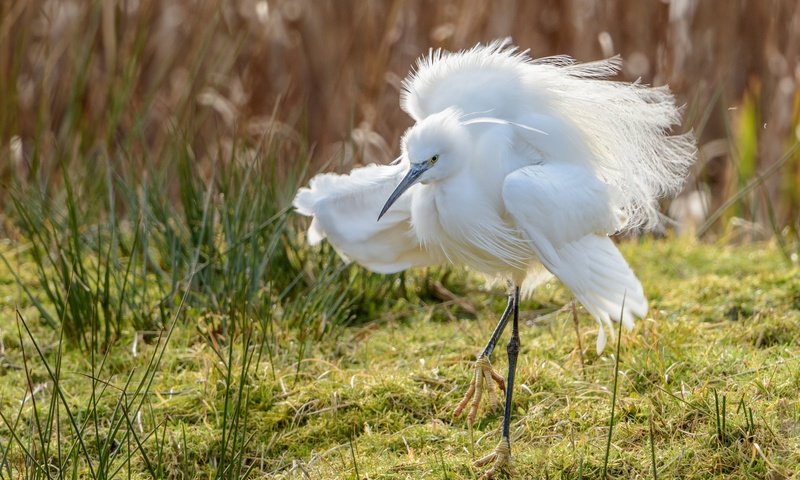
{"x": 614, "y": 391}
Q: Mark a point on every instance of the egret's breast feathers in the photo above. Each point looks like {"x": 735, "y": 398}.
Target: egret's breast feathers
{"x": 467, "y": 228}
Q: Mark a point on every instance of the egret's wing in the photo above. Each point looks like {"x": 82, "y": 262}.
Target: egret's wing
{"x": 567, "y": 214}
{"x": 345, "y": 211}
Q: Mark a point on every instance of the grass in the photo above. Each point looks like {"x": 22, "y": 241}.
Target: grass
{"x": 707, "y": 386}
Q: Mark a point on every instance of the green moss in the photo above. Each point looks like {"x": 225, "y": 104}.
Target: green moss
{"x": 723, "y": 319}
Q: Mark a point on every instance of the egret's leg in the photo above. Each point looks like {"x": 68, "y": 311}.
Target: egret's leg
{"x": 501, "y": 457}
{"x": 501, "y": 325}
{"x": 484, "y": 373}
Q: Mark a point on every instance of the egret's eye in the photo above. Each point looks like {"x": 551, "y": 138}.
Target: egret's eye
{"x": 434, "y": 159}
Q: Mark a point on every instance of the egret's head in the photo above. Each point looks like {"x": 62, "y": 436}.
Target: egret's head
{"x": 434, "y": 147}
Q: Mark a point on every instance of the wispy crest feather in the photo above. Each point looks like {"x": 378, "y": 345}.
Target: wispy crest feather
{"x": 625, "y": 126}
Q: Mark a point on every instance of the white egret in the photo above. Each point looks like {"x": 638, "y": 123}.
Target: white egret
{"x": 516, "y": 167}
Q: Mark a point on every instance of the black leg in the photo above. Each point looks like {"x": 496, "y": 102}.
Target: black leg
{"x": 501, "y": 325}
{"x": 513, "y": 353}
{"x": 501, "y": 457}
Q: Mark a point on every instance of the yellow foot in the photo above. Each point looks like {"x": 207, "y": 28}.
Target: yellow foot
{"x": 500, "y": 460}
{"x": 484, "y": 376}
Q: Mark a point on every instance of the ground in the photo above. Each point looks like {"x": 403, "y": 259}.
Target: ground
{"x": 708, "y": 385}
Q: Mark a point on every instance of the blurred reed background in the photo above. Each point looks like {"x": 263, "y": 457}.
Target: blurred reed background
{"x": 126, "y": 83}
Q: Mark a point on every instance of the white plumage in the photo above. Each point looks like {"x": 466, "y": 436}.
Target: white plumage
{"x": 344, "y": 209}
{"x": 538, "y": 161}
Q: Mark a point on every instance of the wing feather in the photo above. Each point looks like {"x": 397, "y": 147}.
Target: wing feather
{"x": 567, "y": 213}
{"x": 345, "y": 210}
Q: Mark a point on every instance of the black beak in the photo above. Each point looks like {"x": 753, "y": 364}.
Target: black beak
{"x": 410, "y": 179}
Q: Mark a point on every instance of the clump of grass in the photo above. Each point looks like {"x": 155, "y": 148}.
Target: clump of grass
{"x": 112, "y": 288}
